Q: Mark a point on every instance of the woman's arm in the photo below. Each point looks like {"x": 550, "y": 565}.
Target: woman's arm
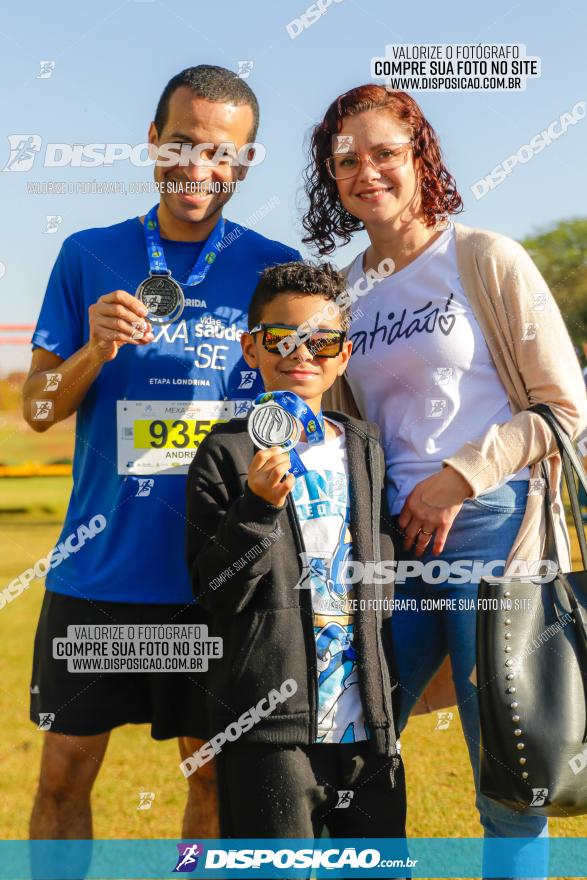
{"x": 549, "y": 370}
{"x": 546, "y": 370}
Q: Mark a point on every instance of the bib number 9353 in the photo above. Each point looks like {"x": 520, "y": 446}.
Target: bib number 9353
{"x": 162, "y": 436}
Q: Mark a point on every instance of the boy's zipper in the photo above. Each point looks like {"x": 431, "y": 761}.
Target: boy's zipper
{"x": 393, "y": 766}
{"x": 306, "y": 603}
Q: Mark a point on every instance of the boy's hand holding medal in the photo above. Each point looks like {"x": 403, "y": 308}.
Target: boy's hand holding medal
{"x": 274, "y": 426}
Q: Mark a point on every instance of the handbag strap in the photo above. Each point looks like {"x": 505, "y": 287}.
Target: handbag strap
{"x": 577, "y": 616}
{"x": 572, "y": 467}
{"x": 569, "y": 472}
{"x": 550, "y": 544}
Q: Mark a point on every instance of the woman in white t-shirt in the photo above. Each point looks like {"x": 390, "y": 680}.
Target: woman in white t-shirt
{"x": 458, "y": 460}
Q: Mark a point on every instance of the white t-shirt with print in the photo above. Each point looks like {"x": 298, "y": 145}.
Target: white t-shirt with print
{"x": 322, "y": 502}
{"x": 421, "y": 369}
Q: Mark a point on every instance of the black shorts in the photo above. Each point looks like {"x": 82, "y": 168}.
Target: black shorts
{"x": 89, "y": 703}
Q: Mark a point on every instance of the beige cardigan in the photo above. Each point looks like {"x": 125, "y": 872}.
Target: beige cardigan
{"x": 500, "y": 281}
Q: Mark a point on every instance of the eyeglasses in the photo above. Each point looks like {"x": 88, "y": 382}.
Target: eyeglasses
{"x": 385, "y": 157}
{"x": 320, "y": 343}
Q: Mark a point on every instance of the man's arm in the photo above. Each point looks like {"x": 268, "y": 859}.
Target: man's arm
{"x": 116, "y": 319}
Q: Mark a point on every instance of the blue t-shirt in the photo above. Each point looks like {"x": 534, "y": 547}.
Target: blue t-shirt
{"x": 138, "y": 427}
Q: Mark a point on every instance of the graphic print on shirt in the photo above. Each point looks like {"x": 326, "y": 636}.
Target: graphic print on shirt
{"x": 321, "y": 499}
{"x": 425, "y": 320}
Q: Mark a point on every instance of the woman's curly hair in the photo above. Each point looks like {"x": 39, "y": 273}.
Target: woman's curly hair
{"x": 326, "y": 217}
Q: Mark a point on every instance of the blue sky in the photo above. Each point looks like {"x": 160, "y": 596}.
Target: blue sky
{"x": 112, "y": 60}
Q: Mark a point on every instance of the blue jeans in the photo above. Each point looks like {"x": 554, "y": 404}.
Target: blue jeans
{"x": 484, "y": 530}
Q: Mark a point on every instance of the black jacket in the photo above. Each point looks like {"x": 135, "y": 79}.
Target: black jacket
{"x": 244, "y": 560}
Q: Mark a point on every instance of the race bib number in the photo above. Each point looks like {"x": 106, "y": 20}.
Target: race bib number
{"x": 162, "y": 436}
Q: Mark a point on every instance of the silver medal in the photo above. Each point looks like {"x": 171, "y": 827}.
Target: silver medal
{"x": 271, "y": 425}
{"x": 163, "y": 297}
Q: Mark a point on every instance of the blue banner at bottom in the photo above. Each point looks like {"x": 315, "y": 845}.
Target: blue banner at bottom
{"x": 292, "y": 858}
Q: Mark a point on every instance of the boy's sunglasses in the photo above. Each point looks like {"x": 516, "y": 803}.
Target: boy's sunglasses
{"x": 320, "y": 343}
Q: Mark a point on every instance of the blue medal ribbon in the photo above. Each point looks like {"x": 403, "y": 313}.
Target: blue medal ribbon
{"x": 313, "y": 423}
{"x": 157, "y": 262}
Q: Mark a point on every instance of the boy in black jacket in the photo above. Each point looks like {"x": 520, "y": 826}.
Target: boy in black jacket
{"x": 300, "y": 703}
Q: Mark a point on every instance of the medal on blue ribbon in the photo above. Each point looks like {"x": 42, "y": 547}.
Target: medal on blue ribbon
{"x": 276, "y": 419}
{"x": 161, "y": 294}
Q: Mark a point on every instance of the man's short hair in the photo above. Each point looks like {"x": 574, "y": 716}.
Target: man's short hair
{"x": 303, "y": 278}
{"x": 213, "y": 84}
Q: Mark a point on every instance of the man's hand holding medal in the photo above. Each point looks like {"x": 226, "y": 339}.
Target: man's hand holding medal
{"x": 115, "y": 319}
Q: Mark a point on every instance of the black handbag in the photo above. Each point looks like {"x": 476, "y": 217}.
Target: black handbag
{"x": 532, "y": 674}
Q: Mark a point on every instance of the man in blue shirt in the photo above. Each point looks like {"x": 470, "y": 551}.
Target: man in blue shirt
{"x": 145, "y": 395}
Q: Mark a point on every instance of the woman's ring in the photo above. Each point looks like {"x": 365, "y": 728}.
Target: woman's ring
{"x": 422, "y": 532}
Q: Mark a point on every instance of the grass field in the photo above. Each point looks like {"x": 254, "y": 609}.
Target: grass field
{"x": 18, "y": 444}
{"x": 441, "y": 794}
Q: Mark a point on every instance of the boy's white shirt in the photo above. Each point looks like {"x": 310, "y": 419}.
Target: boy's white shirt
{"x": 322, "y": 502}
